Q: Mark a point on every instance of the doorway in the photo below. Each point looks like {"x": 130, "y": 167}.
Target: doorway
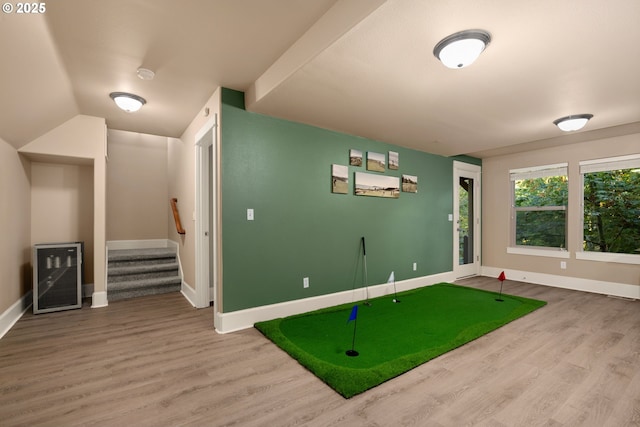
{"x": 206, "y": 214}
{"x": 466, "y": 216}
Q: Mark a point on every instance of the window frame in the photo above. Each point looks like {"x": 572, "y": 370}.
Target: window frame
{"x": 558, "y": 169}
{"x": 604, "y": 165}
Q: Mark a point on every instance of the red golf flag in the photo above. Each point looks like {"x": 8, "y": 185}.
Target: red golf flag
{"x": 502, "y": 277}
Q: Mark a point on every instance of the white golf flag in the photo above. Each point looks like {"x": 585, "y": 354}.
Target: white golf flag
{"x": 392, "y": 278}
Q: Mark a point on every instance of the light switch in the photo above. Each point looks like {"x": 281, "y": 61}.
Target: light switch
{"x": 450, "y": 217}
{"x": 249, "y": 214}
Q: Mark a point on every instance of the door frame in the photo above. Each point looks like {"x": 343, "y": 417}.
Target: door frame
{"x": 467, "y": 170}
{"x": 203, "y": 216}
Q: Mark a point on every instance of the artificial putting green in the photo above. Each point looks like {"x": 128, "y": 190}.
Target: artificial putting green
{"x": 391, "y": 338}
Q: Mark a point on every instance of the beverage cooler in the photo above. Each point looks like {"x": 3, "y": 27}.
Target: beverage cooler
{"x": 57, "y": 276}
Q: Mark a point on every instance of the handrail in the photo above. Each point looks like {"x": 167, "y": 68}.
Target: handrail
{"x": 176, "y": 216}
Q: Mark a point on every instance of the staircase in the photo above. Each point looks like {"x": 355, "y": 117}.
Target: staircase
{"x": 137, "y": 272}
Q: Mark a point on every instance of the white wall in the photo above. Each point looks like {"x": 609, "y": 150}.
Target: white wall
{"x": 15, "y": 244}
{"x": 496, "y": 210}
{"x": 62, "y": 207}
{"x": 182, "y": 185}
{"x": 82, "y": 140}
{"x": 137, "y": 186}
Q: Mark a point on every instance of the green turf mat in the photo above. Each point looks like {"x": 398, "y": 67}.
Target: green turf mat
{"x": 391, "y": 338}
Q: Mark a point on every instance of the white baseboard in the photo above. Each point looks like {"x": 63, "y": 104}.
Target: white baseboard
{"x": 243, "y": 319}
{"x": 14, "y": 313}
{"x": 574, "y": 283}
{"x": 188, "y": 293}
{"x": 99, "y": 299}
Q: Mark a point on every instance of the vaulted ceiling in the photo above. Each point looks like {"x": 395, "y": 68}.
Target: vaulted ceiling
{"x": 363, "y": 67}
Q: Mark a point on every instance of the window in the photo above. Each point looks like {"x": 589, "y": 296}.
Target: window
{"x": 611, "y": 205}
{"x": 539, "y": 209}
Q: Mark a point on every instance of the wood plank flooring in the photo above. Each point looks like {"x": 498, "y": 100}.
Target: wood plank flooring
{"x": 156, "y": 361}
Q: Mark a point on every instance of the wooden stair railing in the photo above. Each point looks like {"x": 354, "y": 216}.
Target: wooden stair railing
{"x": 176, "y": 216}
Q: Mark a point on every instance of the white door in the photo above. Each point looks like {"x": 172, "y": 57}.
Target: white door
{"x": 466, "y": 216}
{"x": 206, "y": 233}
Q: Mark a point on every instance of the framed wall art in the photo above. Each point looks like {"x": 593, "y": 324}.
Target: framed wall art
{"x": 368, "y": 184}
{"x": 339, "y": 179}
{"x": 376, "y": 162}
{"x": 409, "y": 183}
{"x": 355, "y": 157}
{"x": 394, "y": 162}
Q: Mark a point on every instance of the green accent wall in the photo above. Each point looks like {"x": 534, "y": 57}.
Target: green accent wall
{"x": 232, "y": 97}
{"x": 282, "y": 170}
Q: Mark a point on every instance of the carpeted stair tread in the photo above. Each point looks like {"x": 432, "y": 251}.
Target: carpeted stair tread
{"x": 142, "y": 276}
{"x": 140, "y": 254}
{"x": 138, "y": 272}
{"x": 142, "y": 268}
{"x": 140, "y": 292}
{"x": 145, "y": 283}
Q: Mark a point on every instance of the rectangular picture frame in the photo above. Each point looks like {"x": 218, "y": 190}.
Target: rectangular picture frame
{"x": 355, "y": 157}
{"x": 339, "y": 179}
{"x": 394, "y": 160}
{"x": 376, "y": 162}
{"x": 372, "y": 185}
{"x": 409, "y": 183}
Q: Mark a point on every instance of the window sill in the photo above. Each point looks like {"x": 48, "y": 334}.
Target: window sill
{"x": 551, "y": 253}
{"x": 609, "y": 257}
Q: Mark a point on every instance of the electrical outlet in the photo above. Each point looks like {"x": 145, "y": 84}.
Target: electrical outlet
{"x": 563, "y": 265}
{"x": 415, "y": 266}
{"x": 305, "y": 282}
{"x": 249, "y": 214}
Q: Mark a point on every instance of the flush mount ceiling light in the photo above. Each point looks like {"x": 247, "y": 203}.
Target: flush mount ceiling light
{"x": 461, "y": 49}
{"x": 127, "y": 101}
{"x": 574, "y": 122}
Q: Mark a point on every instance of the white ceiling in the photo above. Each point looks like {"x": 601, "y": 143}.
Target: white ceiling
{"x": 363, "y": 67}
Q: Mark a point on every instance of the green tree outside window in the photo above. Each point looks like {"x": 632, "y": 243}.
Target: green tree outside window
{"x": 540, "y": 206}
{"x": 612, "y": 211}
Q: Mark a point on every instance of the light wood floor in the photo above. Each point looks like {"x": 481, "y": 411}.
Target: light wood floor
{"x": 156, "y": 361}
